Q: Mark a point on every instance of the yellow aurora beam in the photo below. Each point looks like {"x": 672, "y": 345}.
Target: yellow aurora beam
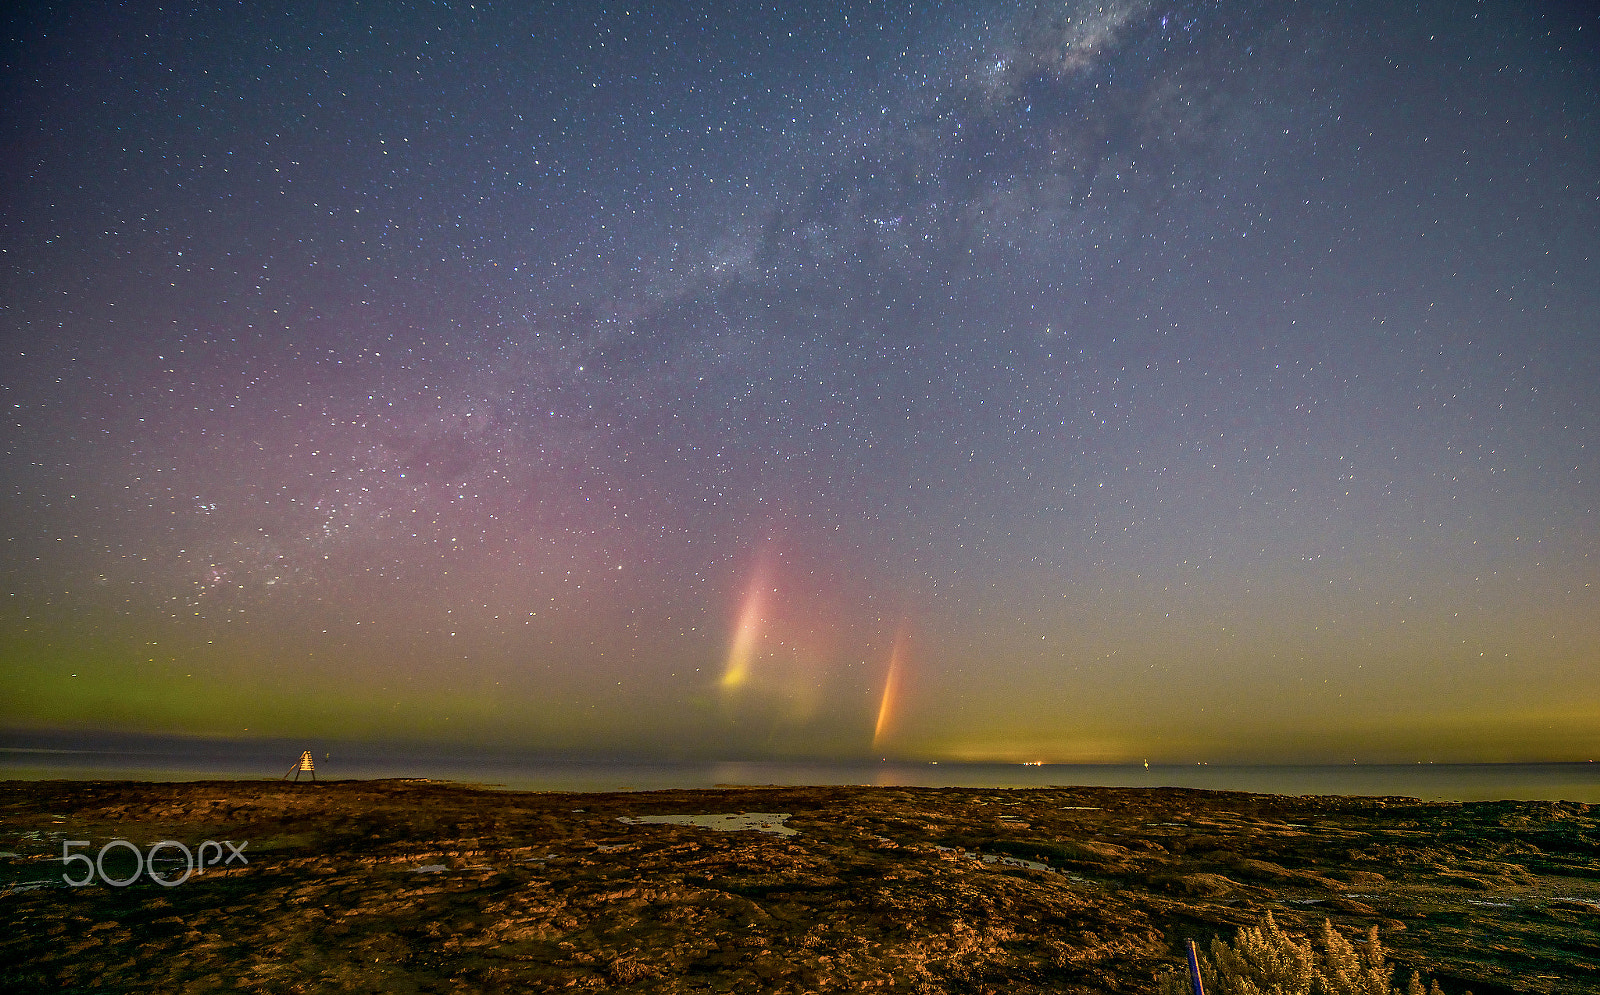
{"x": 890, "y": 688}
{"x": 737, "y": 671}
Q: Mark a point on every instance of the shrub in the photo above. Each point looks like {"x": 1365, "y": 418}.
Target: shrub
{"x": 1264, "y": 960}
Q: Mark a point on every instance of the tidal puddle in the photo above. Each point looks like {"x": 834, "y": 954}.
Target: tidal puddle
{"x": 761, "y": 822}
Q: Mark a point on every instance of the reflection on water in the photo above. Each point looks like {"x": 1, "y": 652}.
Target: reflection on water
{"x": 726, "y": 822}
{"x": 173, "y": 761}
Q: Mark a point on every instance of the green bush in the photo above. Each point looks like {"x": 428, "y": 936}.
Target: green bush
{"x": 1264, "y": 960}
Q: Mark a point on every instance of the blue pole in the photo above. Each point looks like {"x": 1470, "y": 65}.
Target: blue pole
{"x": 1194, "y": 968}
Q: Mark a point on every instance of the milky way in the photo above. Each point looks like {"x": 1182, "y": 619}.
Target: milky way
{"x": 1060, "y": 381}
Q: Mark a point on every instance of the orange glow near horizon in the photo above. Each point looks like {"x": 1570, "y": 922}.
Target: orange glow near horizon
{"x": 891, "y": 685}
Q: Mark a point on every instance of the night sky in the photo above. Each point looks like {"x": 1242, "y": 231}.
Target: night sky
{"x": 1073, "y": 382}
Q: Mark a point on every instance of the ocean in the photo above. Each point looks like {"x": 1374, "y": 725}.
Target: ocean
{"x": 185, "y": 760}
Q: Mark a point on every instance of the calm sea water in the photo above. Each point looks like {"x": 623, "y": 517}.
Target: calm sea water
{"x": 187, "y": 760}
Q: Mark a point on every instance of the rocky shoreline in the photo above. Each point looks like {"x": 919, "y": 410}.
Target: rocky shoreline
{"x": 416, "y": 886}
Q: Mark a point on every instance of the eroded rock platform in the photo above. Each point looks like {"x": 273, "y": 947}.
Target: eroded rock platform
{"x": 411, "y": 886}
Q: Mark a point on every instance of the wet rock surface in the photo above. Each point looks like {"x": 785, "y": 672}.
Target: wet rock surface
{"x": 408, "y": 886}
